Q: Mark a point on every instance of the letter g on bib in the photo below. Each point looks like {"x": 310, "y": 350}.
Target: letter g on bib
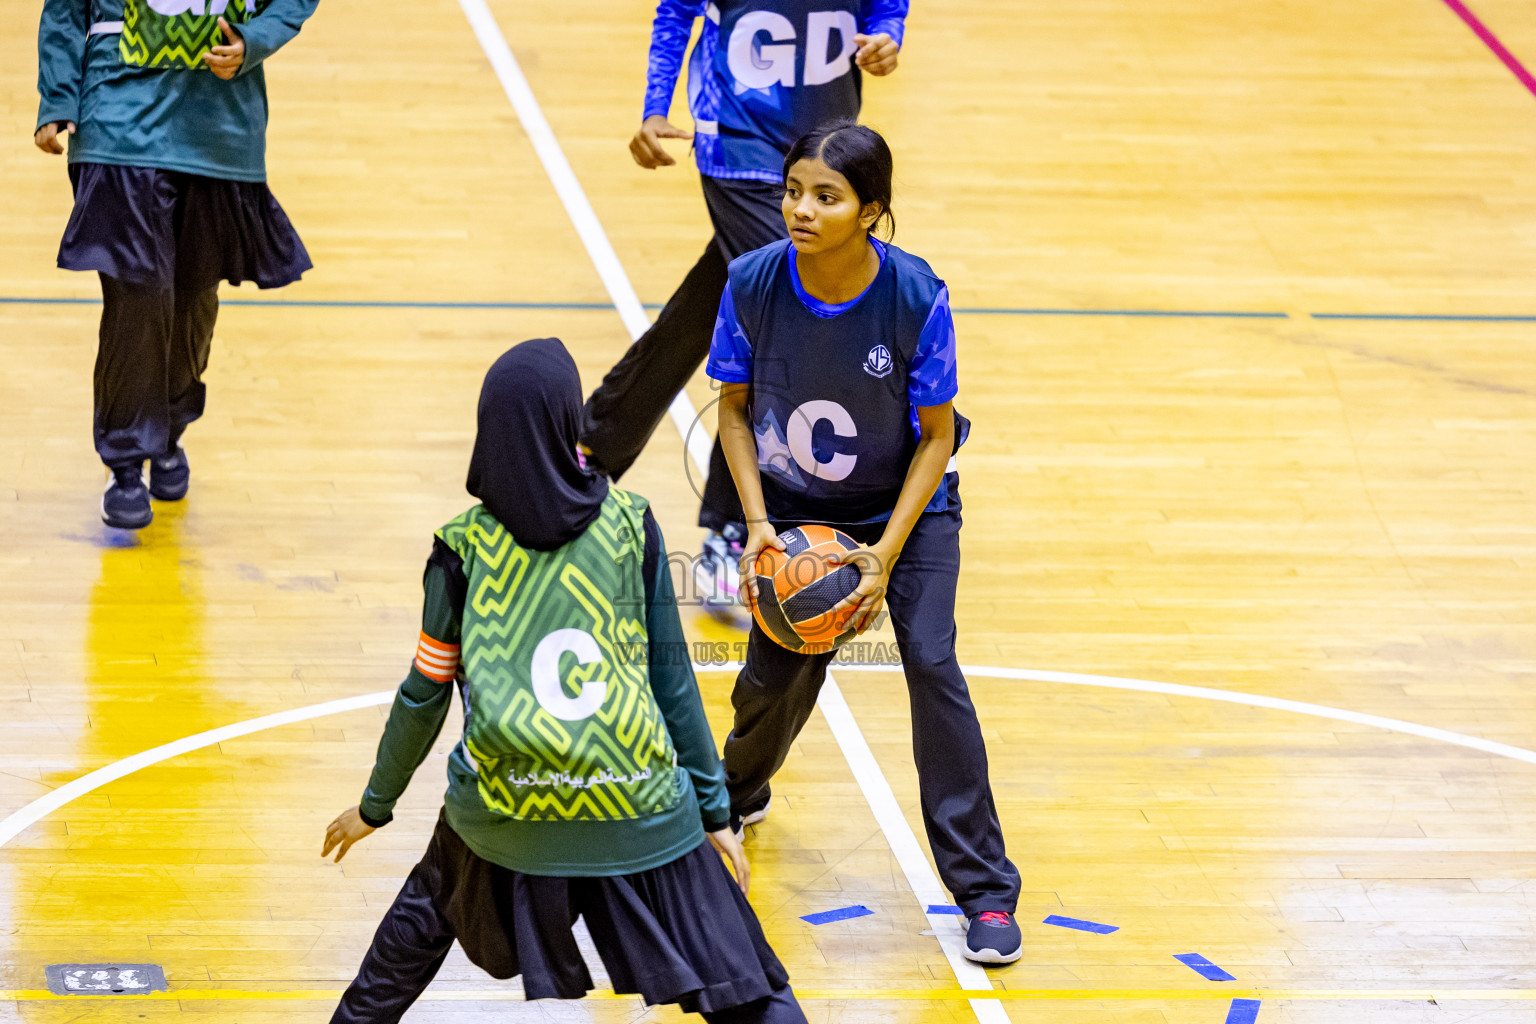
{"x": 761, "y": 67}
{"x": 545, "y": 672}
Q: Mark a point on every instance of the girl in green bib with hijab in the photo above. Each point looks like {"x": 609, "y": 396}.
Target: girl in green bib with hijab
{"x": 587, "y": 783}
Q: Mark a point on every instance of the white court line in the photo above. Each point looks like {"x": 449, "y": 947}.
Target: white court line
{"x": 620, "y": 292}
{"x": 73, "y": 790}
{"x": 13, "y": 825}
{"x": 866, "y": 771}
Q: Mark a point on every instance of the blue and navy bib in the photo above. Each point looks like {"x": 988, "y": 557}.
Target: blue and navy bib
{"x": 782, "y": 67}
{"x": 829, "y": 395}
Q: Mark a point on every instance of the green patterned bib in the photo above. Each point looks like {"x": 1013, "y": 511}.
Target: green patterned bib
{"x": 174, "y": 34}
{"x": 559, "y": 717}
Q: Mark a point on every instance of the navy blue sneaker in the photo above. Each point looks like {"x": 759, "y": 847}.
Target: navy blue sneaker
{"x": 126, "y": 503}
{"x": 169, "y": 475}
{"x": 993, "y": 937}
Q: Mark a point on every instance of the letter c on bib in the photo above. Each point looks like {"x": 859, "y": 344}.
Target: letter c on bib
{"x": 770, "y": 65}
{"x": 546, "y": 675}
{"x": 802, "y": 423}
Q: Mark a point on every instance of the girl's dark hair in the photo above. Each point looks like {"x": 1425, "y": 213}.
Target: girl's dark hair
{"x": 858, "y": 154}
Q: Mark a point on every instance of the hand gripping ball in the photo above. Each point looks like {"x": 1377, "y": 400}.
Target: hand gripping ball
{"x": 797, "y": 590}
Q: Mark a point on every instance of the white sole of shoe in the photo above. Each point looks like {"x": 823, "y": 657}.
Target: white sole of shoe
{"x": 757, "y": 815}
{"x": 992, "y": 956}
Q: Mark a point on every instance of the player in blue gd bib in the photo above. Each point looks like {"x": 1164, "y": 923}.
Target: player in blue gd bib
{"x": 836, "y": 356}
{"x": 763, "y": 73}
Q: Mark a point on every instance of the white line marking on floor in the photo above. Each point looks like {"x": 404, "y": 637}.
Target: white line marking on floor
{"x": 877, "y": 791}
{"x": 12, "y": 826}
{"x": 76, "y": 788}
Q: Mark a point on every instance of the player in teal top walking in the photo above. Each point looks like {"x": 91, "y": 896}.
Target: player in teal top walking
{"x": 586, "y": 783}
{"x": 164, "y": 106}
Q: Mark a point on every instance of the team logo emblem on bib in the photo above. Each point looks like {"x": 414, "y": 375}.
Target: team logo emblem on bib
{"x": 878, "y": 363}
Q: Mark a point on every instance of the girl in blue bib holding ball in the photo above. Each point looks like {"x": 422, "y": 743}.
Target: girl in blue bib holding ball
{"x": 836, "y": 356}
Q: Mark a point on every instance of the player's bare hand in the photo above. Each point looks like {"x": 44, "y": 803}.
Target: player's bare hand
{"x": 347, "y": 829}
{"x": 730, "y": 847}
{"x": 759, "y": 536}
{"x": 47, "y": 137}
{"x": 863, "y": 606}
{"x": 876, "y": 54}
{"x": 225, "y": 60}
{"x": 646, "y": 147}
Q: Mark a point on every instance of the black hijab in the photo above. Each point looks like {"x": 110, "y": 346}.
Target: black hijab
{"x": 524, "y": 468}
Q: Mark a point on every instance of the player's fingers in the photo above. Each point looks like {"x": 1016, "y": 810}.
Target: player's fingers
{"x": 871, "y": 615}
{"x": 656, "y": 156}
{"x": 640, "y": 154}
{"x": 743, "y": 869}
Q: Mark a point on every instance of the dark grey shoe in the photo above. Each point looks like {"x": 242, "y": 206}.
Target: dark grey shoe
{"x": 169, "y": 475}
{"x": 126, "y": 503}
{"x": 993, "y": 937}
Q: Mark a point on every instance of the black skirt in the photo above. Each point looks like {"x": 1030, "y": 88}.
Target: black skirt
{"x": 148, "y": 226}
{"x": 679, "y": 933}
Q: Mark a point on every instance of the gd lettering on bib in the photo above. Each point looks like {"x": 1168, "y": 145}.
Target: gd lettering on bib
{"x": 174, "y": 34}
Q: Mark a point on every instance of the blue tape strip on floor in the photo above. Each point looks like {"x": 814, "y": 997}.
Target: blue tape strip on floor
{"x": 943, "y": 908}
{"x": 1203, "y": 967}
{"x": 1082, "y": 926}
{"x": 841, "y": 914}
{"x": 1244, "y": 1011}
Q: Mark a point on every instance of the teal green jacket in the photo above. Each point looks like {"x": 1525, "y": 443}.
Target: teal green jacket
{"x": 566, "y": 848}
{"x": 190, "y": 121}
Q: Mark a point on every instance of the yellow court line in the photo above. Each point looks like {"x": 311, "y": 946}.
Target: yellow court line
{"x": 867, "y": 994}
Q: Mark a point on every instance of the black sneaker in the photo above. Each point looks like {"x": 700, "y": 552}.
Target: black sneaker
{"x": 993, "y": 937}
{"x": 126, "y": 503}
{"x": 169, "y": 475}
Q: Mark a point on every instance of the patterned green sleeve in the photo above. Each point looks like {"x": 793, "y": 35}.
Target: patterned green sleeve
{"x": 676, "y": 689}
{"x": 421, "y": 703}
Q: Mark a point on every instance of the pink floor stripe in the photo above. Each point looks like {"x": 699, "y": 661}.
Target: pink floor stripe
{"x": 1492, "y": 42}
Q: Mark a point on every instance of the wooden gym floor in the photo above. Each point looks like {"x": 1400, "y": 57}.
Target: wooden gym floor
{"x": 1296, "y": 505}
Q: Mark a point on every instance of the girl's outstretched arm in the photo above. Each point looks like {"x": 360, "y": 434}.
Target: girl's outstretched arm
{"x": 421, "y": 703}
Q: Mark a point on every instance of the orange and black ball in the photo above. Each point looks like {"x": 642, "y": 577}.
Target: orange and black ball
{"x": 797, "y": 589}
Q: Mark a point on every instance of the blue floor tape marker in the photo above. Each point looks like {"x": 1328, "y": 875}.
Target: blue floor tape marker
{"x": 1203, "y": 967}
{"x": 841, "y": 914}
{"x": 1082, "y": 926}
{"x": 943, "y": 908}
{"x": 1244, "y": 1011}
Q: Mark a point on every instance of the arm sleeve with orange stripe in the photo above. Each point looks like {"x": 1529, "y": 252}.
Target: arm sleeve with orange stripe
{"x": 421, "y": 703}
